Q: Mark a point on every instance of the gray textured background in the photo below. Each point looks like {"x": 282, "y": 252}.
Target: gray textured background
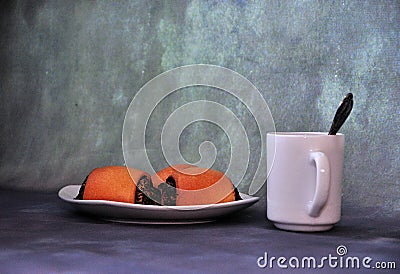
{"x": 69, "y": 69}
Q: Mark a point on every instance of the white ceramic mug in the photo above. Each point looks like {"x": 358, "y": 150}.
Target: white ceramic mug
{"x": 304, "y": 183}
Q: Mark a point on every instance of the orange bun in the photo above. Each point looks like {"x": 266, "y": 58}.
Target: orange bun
{"x": 112, "y": 183}
{"x": 198, "y": 186}
{"x": 162, "y": 175}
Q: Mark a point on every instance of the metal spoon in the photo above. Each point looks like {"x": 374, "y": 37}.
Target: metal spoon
{"x": 342, "y": 113}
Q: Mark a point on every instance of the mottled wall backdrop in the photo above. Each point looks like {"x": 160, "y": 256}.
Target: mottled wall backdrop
{"x": 69, "y": 69}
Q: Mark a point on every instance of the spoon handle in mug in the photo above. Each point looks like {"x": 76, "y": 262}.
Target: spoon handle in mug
{"x": 342, "y": 113}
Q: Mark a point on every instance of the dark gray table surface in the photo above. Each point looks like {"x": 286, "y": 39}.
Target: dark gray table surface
{"x": 39, "y": 233}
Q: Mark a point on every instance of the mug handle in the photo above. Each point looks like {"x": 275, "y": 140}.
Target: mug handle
{"x": 322, "y": 183}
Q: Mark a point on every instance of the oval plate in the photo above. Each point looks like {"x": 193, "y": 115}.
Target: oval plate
{"x": 153, "y": 214}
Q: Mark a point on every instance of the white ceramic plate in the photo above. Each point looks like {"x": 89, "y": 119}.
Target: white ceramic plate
{"x": 153, "y": 214}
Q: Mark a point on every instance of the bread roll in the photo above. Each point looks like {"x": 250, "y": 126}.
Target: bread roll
{"x": 196, "y": 185}
{"x": 116, "y": 183}
{"x": 162, "y": 175}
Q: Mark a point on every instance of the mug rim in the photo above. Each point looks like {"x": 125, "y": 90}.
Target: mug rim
{"x": 297, "y": 134}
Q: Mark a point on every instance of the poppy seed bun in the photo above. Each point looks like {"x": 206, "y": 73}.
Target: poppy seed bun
{"x": 112, "y": 183}
{"x": 198, "y": 186}
{"x": 162, "y": 175}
